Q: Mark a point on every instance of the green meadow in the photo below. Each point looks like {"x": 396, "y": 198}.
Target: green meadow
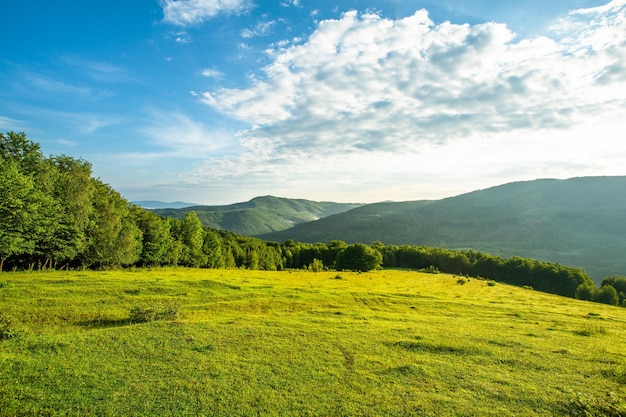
{"x": 193, "y": 342}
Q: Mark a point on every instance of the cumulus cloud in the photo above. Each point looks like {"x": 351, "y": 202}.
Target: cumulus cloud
{"x": 193, "y": 12}
{"x": 364, "y": 82}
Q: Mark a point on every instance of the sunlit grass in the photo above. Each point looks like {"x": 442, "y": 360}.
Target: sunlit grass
{"x": 238, "y": 342}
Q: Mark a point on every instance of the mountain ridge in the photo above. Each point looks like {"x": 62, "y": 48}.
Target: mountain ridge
{"x": 156, "y": 204}
{"x": 262, "y": 214}
{"x": 577, "y": 222}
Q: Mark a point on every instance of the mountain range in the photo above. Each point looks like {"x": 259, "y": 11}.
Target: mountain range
{"x": 153, "y": 204}
{"x": 578, "y": 222}
{"x": 261, "y": 214}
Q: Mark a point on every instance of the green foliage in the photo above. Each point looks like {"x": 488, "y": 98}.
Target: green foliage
{"x": 7, "y": 327}
{"x": 359, "y": 257}
{"x": 619, "y": 283}
{"x": 18, "y": 202}
{"x": 430, "y": 270}
{"x": 606, "y": 295}
{"x": 586, "y": 292}
{"x": 191, "y": 235}
{"x": 163, "y": 310}
{"x": 541, "y": 276}
{"x": 114, "y": 237}
{"x": 316, "y": 266}
{"x": 157, "y": 240}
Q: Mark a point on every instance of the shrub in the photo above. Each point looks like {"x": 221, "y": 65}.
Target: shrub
{"x": 316, "y": 265}
{"x": 430, "y": 270}
{"x": 586, "y": 292}
{"x": 7, "y": 329}
{"x": 160, "y": 311}
{"x": 607, "y": 295}
{"x": 359, "y": 257}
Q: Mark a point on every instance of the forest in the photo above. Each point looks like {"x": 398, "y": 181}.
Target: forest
{"x": 55, "y": 215}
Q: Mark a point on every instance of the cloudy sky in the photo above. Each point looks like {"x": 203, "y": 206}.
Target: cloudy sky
{"x": 219, "y": 101}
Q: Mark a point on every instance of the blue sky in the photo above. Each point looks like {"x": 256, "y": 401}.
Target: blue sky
{"x": 219, "y": 101}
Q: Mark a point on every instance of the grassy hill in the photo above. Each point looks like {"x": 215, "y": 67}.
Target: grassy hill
{"x": 237, "y": 343}
{"x": 260, "y": 215}
{"x": 577, "y": 222}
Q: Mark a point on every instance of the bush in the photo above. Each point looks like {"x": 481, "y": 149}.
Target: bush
{"x": 586, "y": 292}
{"x": 430, "y": 270}
{"x": 607, "y": 295}
{"x": 7, "y": 329}
{"x": 316, "y": 266}
{"x": 161, "y": 311}
{"x": 359, "y": 257}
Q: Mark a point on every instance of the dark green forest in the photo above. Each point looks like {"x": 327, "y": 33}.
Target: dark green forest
{"x": 55, "y": 215}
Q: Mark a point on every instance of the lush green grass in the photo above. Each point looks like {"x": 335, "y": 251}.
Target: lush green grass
{"x": 237, "y": 342}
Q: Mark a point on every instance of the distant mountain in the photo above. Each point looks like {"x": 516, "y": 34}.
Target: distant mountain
{"x": 576, "y": 222}
{"x": 151, "y": 204}
{"x": 261, "y": 215}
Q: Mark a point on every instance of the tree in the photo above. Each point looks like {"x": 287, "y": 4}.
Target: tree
{"x": 18, "y": 199}
{"x": 212, "y": 248}
{"x": 359, "y": 257}
{"x": 24, "y": 152}
{"x": 157, "y": 241}
{"x": 114, "y": 238}
{"x": 607, "y": 295}
{"x": 586, "y": 292}
{"x": 71, "y": 191}
{"x": 192, "y": 238}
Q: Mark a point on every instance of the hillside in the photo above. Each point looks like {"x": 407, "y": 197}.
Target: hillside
{"x": 260, "y": 215}
{"x": 576, "y": 222}
{"x": 192, "y": 342}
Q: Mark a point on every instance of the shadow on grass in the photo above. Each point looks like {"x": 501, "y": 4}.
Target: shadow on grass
{"x": 435, "y": 348}
{"x": 104, "y": 322}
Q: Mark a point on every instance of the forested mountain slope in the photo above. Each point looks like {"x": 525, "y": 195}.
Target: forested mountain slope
{"x": 575, "y": 222}
{"x": 260, "y": 215}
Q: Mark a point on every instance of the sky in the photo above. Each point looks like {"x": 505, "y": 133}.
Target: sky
{"x": 219, "y": 101}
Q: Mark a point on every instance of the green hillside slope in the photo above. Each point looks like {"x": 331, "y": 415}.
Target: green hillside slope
{"x": 261, "y": 214}
{"x": 575, "y": 222}
{"x": 211, "y": 342}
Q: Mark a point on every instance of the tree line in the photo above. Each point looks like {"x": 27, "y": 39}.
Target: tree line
{"x": 54, "y": 214}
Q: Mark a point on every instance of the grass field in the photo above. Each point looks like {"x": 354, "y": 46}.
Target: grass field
{"x": 236, "y": 342}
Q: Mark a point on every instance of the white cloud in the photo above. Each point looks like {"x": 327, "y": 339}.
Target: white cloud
{"x": 10, "y": 124}
{"x": 368, "y": 98}
{"x": 261, "y": 29}
{"x": 212, "y": 73}
{"x": 379, "y": 83}
{"x": 193, "y": 12}
{"x": 183, "y": 137}
{"x": 99, "y": 71}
